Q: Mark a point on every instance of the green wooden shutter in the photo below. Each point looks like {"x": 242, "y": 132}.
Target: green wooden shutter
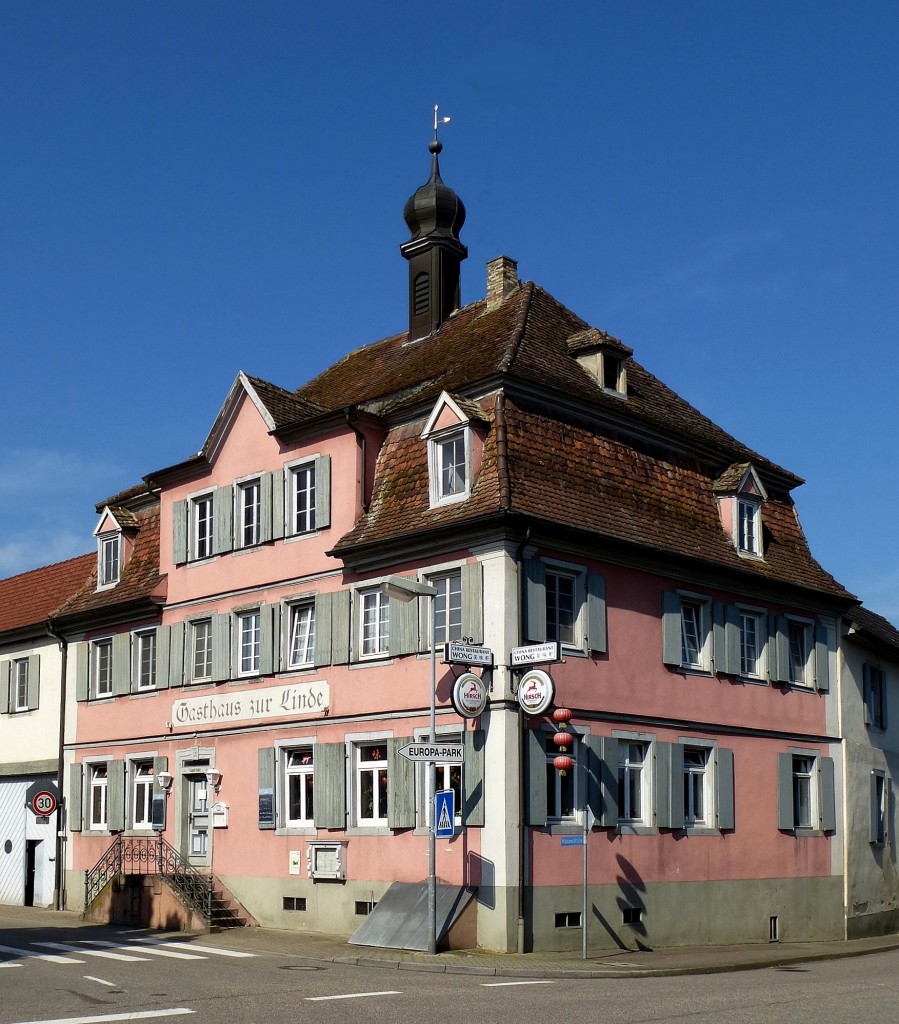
{"x": 473, "y": 803}
{"x": 163, "y": 649}
{"x": 535, "y": 600}
{"x": 732, "y": 638}
{"x": 724, "y": 785}
{"x": 607, "y": 749}
{"x": 177, "y": 642}
{"x": 340, "y": 627}
{"x": 223, "y": 519}
{"x": 329, "y": 785}
{"x": 400, "y": 785}
{"x": 221, "y": 647}
{"x": 269, "y": 628}
{"x": 115, "y": 796}
{"x": 82, "y": 663}
{"x": 822, "y": 659}
{"x": 5, "y": 687}
{"x": 265, "y": 507}
{"x": 536, "y": 778}
{"x": 322, "y": 492}
{"x": 34, "y": 681}
{"x": 402, "y": 624}
{"x": 719, "y": 650}
{"x": 596, "y": 613}
{"x": 472, "y": 601}
{"x": 781, "y": 659}
{"x": 785, "y": 791}
{"x": 157, "y": 812}
{"x": 669, "y": 788}
{"x": 267, "y": 788}
{"x": 121, "y": 664}
{"x": 322, "y": 653}
{"x": 75, "y": 798}
{"x": 278, "y": 485}
{"x": 827, "y": 794}
{"x": 672, "y": 648}
{"x": 179, "y": 532}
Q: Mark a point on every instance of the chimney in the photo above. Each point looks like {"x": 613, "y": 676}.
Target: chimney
{"x": 502, "y": 280}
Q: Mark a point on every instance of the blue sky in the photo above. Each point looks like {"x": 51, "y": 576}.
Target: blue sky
{"x": 189, "y": 189}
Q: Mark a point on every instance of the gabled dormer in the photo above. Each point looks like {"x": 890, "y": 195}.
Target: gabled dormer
{"x": 740, "y": 496}
{"x": 115, "y": 541}
{"x": 603, "y": 357}
{"x": 455, "y": 441}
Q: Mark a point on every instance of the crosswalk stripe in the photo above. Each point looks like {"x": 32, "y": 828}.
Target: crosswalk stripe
{"x": 104, "y": 1017}
{"x": 144, "y": 949}
{"x": 51, "y": 957}
{"x": 352, "y": 995}
{"x": 194, "y": 946}
{"x": 89, "y": 952}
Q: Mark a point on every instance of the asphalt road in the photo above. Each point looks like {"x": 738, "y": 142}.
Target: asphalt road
{"x": 87, "y": 981}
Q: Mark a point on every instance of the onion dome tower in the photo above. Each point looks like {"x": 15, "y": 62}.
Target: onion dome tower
{"x": 434, "y": 215}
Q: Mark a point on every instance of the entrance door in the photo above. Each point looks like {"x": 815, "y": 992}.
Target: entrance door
{"x": 197, "y": 845}
{"x": 31, "y": 846}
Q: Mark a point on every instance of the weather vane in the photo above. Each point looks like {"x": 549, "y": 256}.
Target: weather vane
{"x": 438, "y": 121}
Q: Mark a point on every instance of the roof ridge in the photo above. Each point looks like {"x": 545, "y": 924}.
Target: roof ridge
{"x": 527, "y": 290}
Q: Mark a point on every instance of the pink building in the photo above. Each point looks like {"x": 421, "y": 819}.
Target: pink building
{"x": 244, "y": 684}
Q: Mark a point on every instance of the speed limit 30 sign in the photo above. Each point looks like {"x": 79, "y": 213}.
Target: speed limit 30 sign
{"x": 43, "y": 803}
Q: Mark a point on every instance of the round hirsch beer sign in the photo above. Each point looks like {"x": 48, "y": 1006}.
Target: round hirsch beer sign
{"x": 469, "y": 695}
{"x": 536, "y": 691}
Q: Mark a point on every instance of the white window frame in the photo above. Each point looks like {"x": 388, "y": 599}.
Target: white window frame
{"x": 194, "y": 628}
{"x": 748, "y": 525}
{"x": 578, "y": 583}
{"x": 444, "y": 776}
{"x": 805, "y": 778}
{"x": 248, "y": 641}
{"x": 448, "y": 605}
{"x": 145, "y": 640}
{"x": 97, "y": 646}
{"x": 202, "y": 526}
{"x": 297, "y": 632}
{"x": 109, "y": 560}
{"x": 99, "y": 783}
{"x": 438, "y": 444}
{"x": 805, "y": 629}
{"x": 141, "y": 783}
{"x": 875, "y": 698}
{"x": 702, "y": 607}
{"x": 304, "y": 772}
{"x": 248, "y": 515}
{"x": 759, "y": 618}
{"x": 702, "y": 772}
{"x": 559, "y": 787}
{"x": 374, "y": 769}
{"x": 301, "y": 522}
{"x": 625, "y": 764}
{"x": 880, "y": 808}
{"x": 20, "y": 684}
{"x": 377, "y": 643}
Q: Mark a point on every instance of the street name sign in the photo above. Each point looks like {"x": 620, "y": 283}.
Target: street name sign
{"x": 456, "y": 653}
{"x": 440, "y": 753}
{"x": 536, "y": 654}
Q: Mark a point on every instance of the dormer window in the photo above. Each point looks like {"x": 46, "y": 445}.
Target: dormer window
{"x": 451, "y": 443}
{"x": 613, "y": 378}
{"x": 109, "y": 560}
{"x": 740, "y": 496}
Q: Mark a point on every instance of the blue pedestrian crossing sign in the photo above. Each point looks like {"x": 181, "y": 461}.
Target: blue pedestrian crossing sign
{"x": 445, "y": 813}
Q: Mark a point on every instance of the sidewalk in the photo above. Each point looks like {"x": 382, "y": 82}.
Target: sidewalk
{"x": 599, "y": 964}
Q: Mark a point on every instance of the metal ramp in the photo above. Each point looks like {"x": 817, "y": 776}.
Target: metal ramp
{"x": 399, "y": 920}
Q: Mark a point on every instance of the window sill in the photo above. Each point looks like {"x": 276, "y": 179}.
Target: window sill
{"x": 372, "y": 660}
{"x": 700, "y": 830}
{"x": 296, "y": 830}
{"x": 371, "y": 830}
{"x": 291, "y": 537}
{"x": 627, "y": 829}
{"x": 751, "y": 680}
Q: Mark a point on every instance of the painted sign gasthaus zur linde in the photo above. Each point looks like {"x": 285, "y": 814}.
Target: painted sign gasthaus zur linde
{"x": 298, "y": 701}
{"x": 469, "y": 696}
{"x": 536, "y": 691}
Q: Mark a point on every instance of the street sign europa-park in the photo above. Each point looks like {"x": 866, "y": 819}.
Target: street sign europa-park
{"x": 439, "y": 753}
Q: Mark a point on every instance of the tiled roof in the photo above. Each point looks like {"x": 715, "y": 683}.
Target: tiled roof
{"x": 284, "y": 406}
{"x": 28, "y": 599}
{"x": 140, "y": 575}
{"x": 874, "y": 625}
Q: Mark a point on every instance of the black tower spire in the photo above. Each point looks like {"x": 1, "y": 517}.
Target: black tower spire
{"x": 434, "y": 215}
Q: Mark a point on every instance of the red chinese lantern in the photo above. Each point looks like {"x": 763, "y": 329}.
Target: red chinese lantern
{"x": 562, "y": 739}
{"x": 562, "y": 715}
{"x": 563, "y": 763}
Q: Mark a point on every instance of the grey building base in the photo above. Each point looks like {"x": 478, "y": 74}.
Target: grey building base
{"x": 883, "y": 923}
{"x": 400, "y": 919}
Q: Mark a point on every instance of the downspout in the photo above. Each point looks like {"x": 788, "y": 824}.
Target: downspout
{"x": 505, "y": 497}
{"x": 363, "y": 447}
{"x": 61, "y": 819}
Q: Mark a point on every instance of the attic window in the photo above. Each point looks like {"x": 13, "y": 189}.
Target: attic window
{"x": 613, "y": 377}
{"x": 109, "y": 559}
{"x": 741, "y": 495}
{"x": 749, "y": 526}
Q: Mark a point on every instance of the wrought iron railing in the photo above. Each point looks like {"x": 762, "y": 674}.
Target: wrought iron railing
{"x": 139, "y": 855}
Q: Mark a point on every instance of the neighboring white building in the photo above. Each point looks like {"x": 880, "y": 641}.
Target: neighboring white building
{"x": 869, "y": 696}
{"x": 32, "y": 662}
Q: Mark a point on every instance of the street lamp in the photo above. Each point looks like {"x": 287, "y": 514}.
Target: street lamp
{"x": 400, "y": 588}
